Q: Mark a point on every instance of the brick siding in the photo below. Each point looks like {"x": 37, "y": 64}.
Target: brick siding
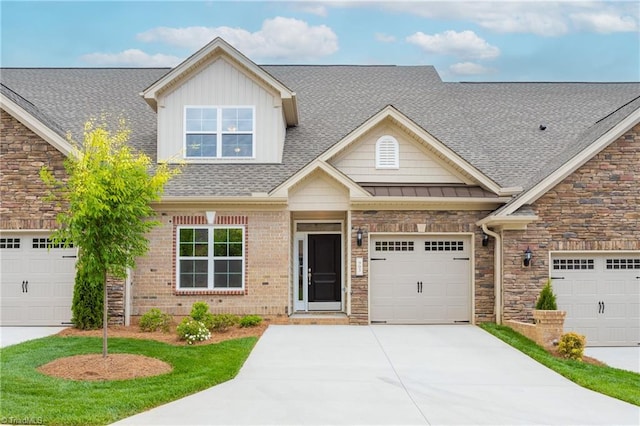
{"x": 595, "y": 208}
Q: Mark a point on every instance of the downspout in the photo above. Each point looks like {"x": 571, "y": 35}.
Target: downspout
{"x": 497, "y": 272}
{"x": 127, "y": 298}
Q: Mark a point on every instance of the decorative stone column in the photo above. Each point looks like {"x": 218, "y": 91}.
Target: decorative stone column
{"x": 549, "y": 327}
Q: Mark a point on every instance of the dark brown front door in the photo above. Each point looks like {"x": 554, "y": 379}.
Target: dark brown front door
{"x": 324, "y": 267}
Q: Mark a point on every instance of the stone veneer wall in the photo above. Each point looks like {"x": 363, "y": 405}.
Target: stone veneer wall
{"x": 267, "y": 267}
{"x": 595, "y": 208}
{"x": 436, "y": 221}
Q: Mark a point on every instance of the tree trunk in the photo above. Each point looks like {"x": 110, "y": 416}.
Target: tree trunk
{"x": 104, "y": 318}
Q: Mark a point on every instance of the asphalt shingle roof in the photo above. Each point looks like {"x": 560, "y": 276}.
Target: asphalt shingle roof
{"x": 493, "y": 126}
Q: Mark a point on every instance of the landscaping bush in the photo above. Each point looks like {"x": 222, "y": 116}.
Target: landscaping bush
{"x": 193, "y": 331}
{"x": 222, "y": 322}
{"x": 547, "y": 300}
{"x": 250, "y": 321}
{"x": 88, "y": 298}
{"x": 155, "y": 320}
{"x": 572, "y": 346}
{"x": 200, "y": 312}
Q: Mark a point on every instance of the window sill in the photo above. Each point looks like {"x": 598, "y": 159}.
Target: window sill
{"x": 220, "y": 292}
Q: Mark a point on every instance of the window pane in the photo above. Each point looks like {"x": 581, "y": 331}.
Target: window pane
{"x": 210, "y": 113}
{"x": 186, "y": 280}
{"x": 194, "y": 146}
{"x": 201, "y": 250}
{"x": 235, "y": 250}
{"x": 235, "y": 235}
{"x": 234, "y": 266}
{"x": 220, "y": 280}
{"x": 229, "y": 114}
{"x": 194, "y": 113}
{"x": 186, "y": 266}
{"x": 209, "y": 126}
{"x": 237, "y": 145}
{"x": 220, "y": 249}
{"x": 201, "y": 281}
{"x": 202, "y": 235}
{"x": 221, "y": 266}
{"x": 194, "y": 125}
{"x": 235, "y": 281}
{"x": 220, "y": 235}
{"x": 186, "y": 235}
{"x": 245, "y": 114}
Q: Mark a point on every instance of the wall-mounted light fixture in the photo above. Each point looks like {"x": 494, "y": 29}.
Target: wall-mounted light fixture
{"x": 527, "y": 257}
{"x": 359, "y": 237}
{"x": 485, "y": 240}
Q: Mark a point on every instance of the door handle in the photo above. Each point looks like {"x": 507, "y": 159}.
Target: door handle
{"x": 309, "y": 277}
{"x": 26, "y": 286}
{"x": 603, "y": 306}
{"x": 23, "y": 286}
{"x": 420, "y": 286}
{"x": 417, "y": 286}
{"x": 599, "y": 307}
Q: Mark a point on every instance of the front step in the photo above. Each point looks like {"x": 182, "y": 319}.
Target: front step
{"x": 319, "y": 318}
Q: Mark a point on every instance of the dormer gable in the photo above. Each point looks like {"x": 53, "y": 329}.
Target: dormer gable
{"x": 219, "y": 107}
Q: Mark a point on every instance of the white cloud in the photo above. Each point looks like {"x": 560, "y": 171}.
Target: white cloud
{"x": 468, "y": 68}
{"x": 536, "y": 17}
{"x": 464, "y": 44}
{"x": 131, "y": 57}
{"x": 314, "y": 9}
{"x": 384, "y": 38}
{"x": 604, "y": 22}
{"x": 279, "y": 38}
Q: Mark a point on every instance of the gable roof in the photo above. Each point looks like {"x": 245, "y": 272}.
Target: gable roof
{"x": 213, "y": 49}
{"x": 493, "y": 127}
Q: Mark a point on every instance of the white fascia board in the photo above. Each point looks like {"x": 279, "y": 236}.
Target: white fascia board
{"x": 573, "y": 164}
{"x": 445, "y": 152}
{"x": 36, "y": 126}
{"x": 355, "y": 190}
{"x": 517, "y": 222}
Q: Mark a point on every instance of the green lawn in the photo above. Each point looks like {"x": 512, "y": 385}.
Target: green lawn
{"x": 29, "y": 395}
{"x": 621, "y": 384}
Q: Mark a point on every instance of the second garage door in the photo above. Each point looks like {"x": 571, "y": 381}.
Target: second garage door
{"x": 601, "y": 294}
{"x": 36, "y": 281}
{"x": 420, "y": 279}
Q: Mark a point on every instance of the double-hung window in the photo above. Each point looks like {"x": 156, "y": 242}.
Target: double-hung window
{"x": 219, "y": 132}
{"x": 210, "y": 258}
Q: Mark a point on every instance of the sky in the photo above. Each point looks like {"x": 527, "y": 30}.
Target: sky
{"x": 465, "y": 40}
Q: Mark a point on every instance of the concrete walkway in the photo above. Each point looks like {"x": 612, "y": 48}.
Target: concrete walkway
{"x": 14, "y": 335}
{"x": 417, "y": 375}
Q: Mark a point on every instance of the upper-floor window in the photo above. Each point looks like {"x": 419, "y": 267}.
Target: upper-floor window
{"x": 387, "y": 153}
{"x": 219, "y": 132}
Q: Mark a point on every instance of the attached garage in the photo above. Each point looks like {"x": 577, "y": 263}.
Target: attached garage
{"x": 601, "y": 294}
{"x": 37, "y": 280}
{"x": 423, "y": 279}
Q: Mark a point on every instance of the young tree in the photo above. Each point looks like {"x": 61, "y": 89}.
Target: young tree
{"x": 108, "y": 190}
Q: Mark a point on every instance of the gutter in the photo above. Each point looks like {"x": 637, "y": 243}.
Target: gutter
{"x": 497, "y": 271}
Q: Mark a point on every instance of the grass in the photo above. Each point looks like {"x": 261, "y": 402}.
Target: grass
{"x": 620, "y": 384}
{"x": 27, "y": 395}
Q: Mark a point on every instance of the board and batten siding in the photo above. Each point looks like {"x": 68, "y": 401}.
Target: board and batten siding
{"x": 220, "y": 83}
{"x": 318, "y": 192}
{"x": 416, "y": 164}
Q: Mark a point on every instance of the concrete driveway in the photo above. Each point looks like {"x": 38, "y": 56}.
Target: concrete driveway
{"x": 14, "y": 335}
{"x": 417, "y": 375}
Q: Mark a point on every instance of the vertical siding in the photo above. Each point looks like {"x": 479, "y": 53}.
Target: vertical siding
{"x": 416, "y": 165}
{"x": 221, "y": 83}
{"x": 319, "y": 192}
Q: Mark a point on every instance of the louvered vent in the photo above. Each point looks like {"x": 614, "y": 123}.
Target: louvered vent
{"x": 387, "y": 153}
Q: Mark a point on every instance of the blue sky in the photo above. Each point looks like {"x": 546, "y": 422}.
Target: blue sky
{"x": 464, "y": 40}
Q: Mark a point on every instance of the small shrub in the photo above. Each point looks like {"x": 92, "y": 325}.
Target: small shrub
{"x": 250, "y": 321}
{"x": 193, "y": 331}
{"x": 200, "y": 312}
{"x": 572, "y": 346}
{"x": 222, "y": 322}
{"x": 547, "y": 300}
{"x": 155, "y": 320}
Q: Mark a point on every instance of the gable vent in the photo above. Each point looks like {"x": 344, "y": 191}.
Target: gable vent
{"x": 387, "y": 153}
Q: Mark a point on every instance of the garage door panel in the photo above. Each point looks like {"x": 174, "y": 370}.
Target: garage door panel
{"x": 601, "y": 295}
{"x": 48, "y": 275}
{"x": 432, "y": 287}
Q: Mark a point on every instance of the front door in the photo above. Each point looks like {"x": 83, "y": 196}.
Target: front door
{"x": 324, "y": 272}
{"x": 318, "y": 275}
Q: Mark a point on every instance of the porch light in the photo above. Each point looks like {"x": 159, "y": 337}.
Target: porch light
{"x": 359, "y": 237}
{"x": 527, "y": 257}
{"x": 485, "y": 240}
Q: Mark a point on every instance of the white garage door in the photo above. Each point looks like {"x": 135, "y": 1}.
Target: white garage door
{"x": 420, "y": 279}
{"x": 36, "y": 281}
{"x": 601, "y": 294}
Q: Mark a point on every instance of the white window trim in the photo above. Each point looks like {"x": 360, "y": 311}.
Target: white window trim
{"x": 219, "y": 132}
{"x": 210, "y": 258}
{"x": 396, "y": 153}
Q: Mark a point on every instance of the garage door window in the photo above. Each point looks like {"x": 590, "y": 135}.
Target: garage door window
{"x": 46, "y": 243}
{"x": 9, "y": 243}
{"x": 615, "y": 264}
{"x": 444, "y": 245}
{"x": 394, "y": 245}
{"x": 573, "y": 264}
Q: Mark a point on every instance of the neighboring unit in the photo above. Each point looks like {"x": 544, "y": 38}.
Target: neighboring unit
{"x": 379, "y": 194}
